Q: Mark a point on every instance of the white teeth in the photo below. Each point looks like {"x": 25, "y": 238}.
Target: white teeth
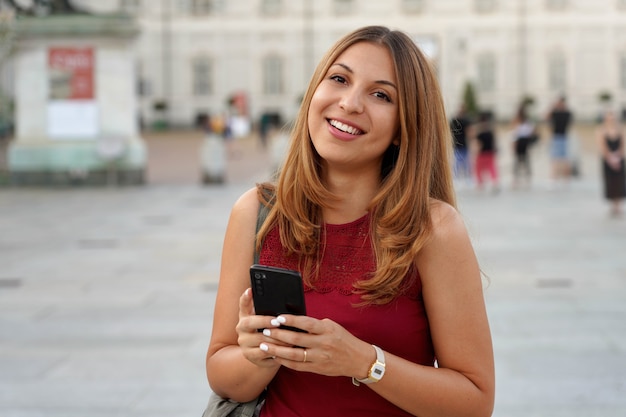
{"x": 345, "y": 128}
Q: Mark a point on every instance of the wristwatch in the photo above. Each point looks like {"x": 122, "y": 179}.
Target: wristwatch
{"x": 376, "y": 371}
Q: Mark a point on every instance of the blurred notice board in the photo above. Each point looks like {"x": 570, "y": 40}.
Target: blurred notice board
{"x": 72, "y": 110}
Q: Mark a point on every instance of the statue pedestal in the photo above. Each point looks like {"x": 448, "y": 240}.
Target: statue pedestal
{"x": 76, "y": 106}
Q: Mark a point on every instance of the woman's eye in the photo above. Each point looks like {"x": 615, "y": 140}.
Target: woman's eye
{"x": 338, "y": 78}
{"x": 382, "y": 96}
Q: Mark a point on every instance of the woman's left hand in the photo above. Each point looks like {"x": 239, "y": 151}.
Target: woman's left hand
{"x": 326, "y": 348}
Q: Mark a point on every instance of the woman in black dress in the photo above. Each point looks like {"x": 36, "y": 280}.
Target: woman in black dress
{"x": 611, "y": 142}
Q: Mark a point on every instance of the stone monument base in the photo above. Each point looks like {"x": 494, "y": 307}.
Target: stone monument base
{"x": 76, "y": 109}
{"x": 75, "y": 163}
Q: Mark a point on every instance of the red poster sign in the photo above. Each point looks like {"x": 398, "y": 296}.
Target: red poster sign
{"x": 71, "y": 73}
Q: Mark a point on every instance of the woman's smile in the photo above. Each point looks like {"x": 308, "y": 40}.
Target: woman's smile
{"x": 343, "y": 131}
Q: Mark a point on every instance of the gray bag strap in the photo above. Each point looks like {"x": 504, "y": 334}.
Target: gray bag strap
{"x": 260, "y": 219}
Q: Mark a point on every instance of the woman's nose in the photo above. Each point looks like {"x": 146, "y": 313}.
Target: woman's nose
{"x": 351, "y": 101}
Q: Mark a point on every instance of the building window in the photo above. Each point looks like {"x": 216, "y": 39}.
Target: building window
{"x": 202, "y": 76}
{"x": 130, "y": 6}
{"x": 272, "y": 75}
{"x": 485, "y": 6}
{"x": 343, "y": 6}
{"x": 271, "y": 7}
{"x": 557, "y": 76}
{"x": 428, "y": 44}
{"x": 205, "y": 7}
{"x": 556, "y": 5}
{"x": 183, "y": 7}
{"x": 413, "y": 6}
{"x": 144, "y": 87}
{"x": 486, "y": 66}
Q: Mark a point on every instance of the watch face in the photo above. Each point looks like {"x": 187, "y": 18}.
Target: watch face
{"x": 377, "y": 372}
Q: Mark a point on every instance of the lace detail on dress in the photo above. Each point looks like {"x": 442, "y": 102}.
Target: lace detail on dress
{"x": 347, "y": 257}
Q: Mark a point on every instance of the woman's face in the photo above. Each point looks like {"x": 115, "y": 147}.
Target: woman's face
{"x": 353, "y": 115}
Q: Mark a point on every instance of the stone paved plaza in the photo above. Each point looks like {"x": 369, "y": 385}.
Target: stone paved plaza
{"x": 106, "y": 294}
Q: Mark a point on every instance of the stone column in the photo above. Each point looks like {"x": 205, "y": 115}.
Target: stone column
{"x": 76, "y": 105}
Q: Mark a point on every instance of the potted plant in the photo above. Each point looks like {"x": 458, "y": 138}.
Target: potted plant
{"x": 160, "y": 109}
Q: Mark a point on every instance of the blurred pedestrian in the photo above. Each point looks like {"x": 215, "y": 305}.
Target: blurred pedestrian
{"x": 222, "y": 125}
{"x": 460, "y": 126}
{"x": 485, "y": 164}
{"x": 524, "y": 135}
{"x": 217, "y": 124}
{"x": 560, "y": 119}
{"x": 610, "y": 139}
{"x": 264, "y": 129}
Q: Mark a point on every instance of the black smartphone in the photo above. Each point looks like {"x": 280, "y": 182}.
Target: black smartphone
{"x": 277, "y": 291}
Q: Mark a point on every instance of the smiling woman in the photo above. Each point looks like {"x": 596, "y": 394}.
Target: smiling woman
{"x": 355, "y": 100}
{"x": 364, "y": 210}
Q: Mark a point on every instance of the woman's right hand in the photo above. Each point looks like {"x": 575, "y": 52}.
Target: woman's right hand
{"x": 249, "y": 338}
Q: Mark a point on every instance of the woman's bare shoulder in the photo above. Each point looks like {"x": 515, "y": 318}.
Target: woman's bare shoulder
{"x": 442, "y": 213}
{"x": 245, "y": 209}
{"x": 447, "y": 223}
{"x": 247, "y": 200}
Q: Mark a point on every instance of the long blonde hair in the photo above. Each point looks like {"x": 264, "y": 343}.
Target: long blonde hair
{"x": 412, "y": 173}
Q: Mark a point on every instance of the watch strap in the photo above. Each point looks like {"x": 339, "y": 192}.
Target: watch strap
{"x": 377, "y": 370}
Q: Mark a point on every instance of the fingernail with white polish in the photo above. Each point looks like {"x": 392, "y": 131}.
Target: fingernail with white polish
{"x": 264, "y": 347}
{"x": 281, "y": 319}
{"x": 267, "y": 332}
{"x": 275, "y": 322}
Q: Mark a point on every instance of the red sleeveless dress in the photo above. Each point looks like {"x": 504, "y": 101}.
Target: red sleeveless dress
{"x": 400, "y": 327}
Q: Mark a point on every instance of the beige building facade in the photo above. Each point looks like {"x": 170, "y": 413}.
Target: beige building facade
{"x": 201, "y": 56}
